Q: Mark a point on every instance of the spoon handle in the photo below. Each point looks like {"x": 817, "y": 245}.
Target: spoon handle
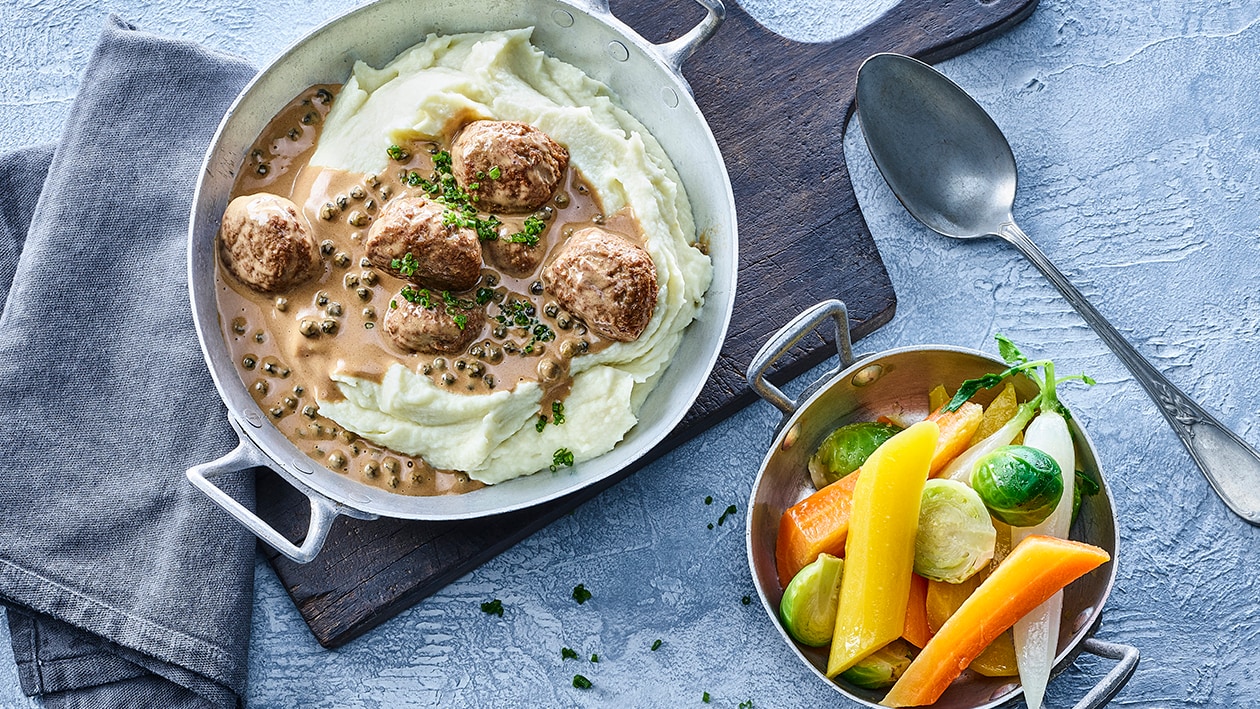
{"x": 1229, "y": 463}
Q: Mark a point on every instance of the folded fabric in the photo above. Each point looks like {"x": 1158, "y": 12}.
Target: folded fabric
{"x": 125, "y": 586}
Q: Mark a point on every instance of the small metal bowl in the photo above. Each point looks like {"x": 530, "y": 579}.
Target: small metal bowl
{"x": 897, "y": 382}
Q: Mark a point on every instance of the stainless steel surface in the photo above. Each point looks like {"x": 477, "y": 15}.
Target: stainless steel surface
{"x": 643, "y": 75}
{"x": 787, "y": 337}
{"x": 898, "y": 381}
{"x": 949, "y": 164}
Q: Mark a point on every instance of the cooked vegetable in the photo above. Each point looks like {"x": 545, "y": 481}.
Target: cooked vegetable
{"x": 956, "y": 430}
{"x": 1020, "y": 485}
{"x": 944, "y": 599}
{"x": 997, "y": 413}
{"x": 808, "y": 608}
{"x": 846, "y": 449}
{"x": 938, "y": 397}
{"x": 1035, "y": 569}
{"x": 960, "y": 468}
{"x": 955, "y": 538}
{"x": 879, "y": 555}
{"x": 881, "y": 668}
{"x": 816, "y": 525}
{"x": 917, "y": 631}
{"x": 1037, "y": 634}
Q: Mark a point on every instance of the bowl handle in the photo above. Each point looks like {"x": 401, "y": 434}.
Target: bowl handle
{"x": 676, "y": 51}
{"x": 786, "y": 338}
{"x": 247, "y": 455}
{"x": 1115, "y": 680}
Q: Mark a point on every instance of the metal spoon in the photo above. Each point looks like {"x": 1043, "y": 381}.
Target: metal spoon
{"x": 950, "y": 165}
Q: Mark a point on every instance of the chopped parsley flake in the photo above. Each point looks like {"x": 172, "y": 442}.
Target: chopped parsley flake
{"x": 563, "y": 457}
{"x": 530, "y": 232}
{"x": 581, "y": 682}
{"x": 656, "y": 645}
{"x": 407, "y": 265}
{"x": 495, "y": 173}
{"x": 580, "y": 594}
{"x": 568, "y": 653}
{"x": 729, "y": 511}
{"x": 494, "y": 607}
{"x": 396, "y": 152}
{"x": 419, "y": 296}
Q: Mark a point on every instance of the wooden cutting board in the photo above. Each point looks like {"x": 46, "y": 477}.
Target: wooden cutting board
{"x": 778, "y": 109}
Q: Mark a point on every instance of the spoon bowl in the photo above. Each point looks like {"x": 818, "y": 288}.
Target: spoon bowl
{"x": 952, "y": 168}
{"x": 941, "y": 154}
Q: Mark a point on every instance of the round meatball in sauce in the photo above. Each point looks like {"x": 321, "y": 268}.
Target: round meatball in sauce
{"x": 515, "y": 167}
{"x": 266, "y": 243}
{"x": 606, "y": 280}
{"x": 410, "y": 240}
{"x": 435, "y": 328}
{"x": 512, "y": 257}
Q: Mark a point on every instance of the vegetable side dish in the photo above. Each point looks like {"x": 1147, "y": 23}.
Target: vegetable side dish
{"x": 940, "y": 545}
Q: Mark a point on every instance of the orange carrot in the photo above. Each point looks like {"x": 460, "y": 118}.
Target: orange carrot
{"x": 817, "y": 524}
{"x": 917, "y": 631}
{"x": 1036, "y": 568}
{"x": 957, "y": 428}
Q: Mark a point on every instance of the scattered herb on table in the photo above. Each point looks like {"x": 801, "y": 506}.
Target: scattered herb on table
{"x": 705, "y": 698}
{"x": 494, "y": 607}
{"x": 746, "y": 600}
{"x": 729, "y": 511}
{"x": 580, "y": 594}
{"x": 656, "y": 645}
{"x": 710, "y": 525}
{"x": 581, "y": 682}
{"x": 594, "y": 657}
{"x": 708, "y": 499}
{"x": 746, "y": 705}
{"x": 568, "y": 653}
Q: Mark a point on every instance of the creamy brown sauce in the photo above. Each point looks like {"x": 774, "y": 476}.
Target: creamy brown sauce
{"x": 287, "y": 345}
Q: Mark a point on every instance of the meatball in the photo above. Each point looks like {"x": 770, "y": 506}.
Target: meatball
{"x": 529, "y": 165}
{"x": 266, "y": 244}
{"x": 410, "y": 230}
{"x": 434, "y": 328}
{"x": 514, "y": 258}
{"x": 607, "y": 281}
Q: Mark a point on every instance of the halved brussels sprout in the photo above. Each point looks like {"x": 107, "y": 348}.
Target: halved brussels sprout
{"x": 955, "y": 537}
{"x": 1020, "y": 485}
{"x": 881, "y": 668}
{"x": 808, "y": 608}
{"x": 846, "y": 449}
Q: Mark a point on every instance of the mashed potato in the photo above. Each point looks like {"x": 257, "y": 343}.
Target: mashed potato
{"x": 427, "y": 91}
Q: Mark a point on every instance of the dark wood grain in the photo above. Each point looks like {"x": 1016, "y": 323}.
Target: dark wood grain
{"x": 778, "y": 109}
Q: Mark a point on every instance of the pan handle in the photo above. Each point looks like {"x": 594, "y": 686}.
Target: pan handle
{"x": 1115, "y": 680}
{"x": 676, "y": 51}
{"x": 247, "y": 455}
{"x": 786, "y": 338}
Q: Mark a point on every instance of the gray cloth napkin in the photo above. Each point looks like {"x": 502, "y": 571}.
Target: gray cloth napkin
{"x": 125, "y": 586}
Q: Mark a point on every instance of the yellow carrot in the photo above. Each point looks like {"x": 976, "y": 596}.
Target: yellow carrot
{"x": 879, "y": 554}
{"x": 1036, "y": 568}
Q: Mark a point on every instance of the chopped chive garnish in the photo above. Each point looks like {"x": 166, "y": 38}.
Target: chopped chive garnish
{"x": 580, "y": 594}
{"x": 568, "y": 653}
{"x": 656, "y": 645}
{"x": 581, "y": 682}
{"x": 494, "y": 607}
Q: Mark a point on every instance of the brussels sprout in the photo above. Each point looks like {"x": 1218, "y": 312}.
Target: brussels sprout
{"x": 1020, "y": 485}
{"x": 808, "y": 608}
{"x": 881, "y": 668}
{"x": 955, "y": 537}
{"x": 846, "y": 449}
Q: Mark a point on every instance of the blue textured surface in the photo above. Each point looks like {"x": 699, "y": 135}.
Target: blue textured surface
{"x": 1135, "y": 127}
